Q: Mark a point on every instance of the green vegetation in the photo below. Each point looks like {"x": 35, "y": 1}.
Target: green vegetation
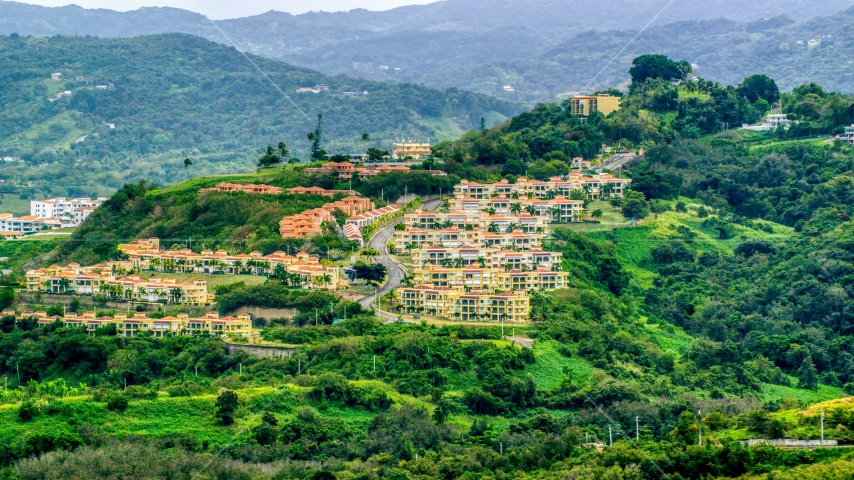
{"x": 728, "y": 295}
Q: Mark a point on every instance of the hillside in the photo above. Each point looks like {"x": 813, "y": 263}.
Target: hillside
{"x": 170, "y": 97}
{"x": 709, "y": 303}
{"x": 723, "y": 50}
{"x": 455, "y": 43}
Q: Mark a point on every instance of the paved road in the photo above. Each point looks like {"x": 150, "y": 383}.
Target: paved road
{"x": 617, "y": 161}
{"x": 395, "y": 272}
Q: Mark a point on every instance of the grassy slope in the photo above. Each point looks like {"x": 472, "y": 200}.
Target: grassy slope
{"x": 184, "y": 415}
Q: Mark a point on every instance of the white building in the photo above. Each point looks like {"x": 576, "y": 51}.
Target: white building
{"x": 772, "y": 121}
{"x": 69, "y": 211}
{"x": 26, "y": 224}
{"x": 848, "y": 136}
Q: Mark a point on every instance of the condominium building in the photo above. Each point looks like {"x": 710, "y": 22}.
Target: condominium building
{"x": 103, "y": 280}
{"x": 346, "y": 170}
{"x": 311, "y": 272}
{"x": 596, "y": 186}
{"x": 70, "y": 212}
{"x": 477, "y": 220}
{"x": 415, "y": 238}
{"x": 130, "y": 326}
{"x": 456, "y": 304}
{"x": 26, "y": 223}
{"x": 583, "y": 106}
{"x": 486, "y": 257}
{"x": 848, "y": 136}
{"x": 245, "y": 188}
{"x": 415, "y": 150}
{"x": 491, "y": 279}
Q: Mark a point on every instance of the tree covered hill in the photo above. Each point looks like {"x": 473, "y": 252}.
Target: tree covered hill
{"x": 452, "y": 43}
{"x": 724, "y": 51}
{"x": 169, "y": 97}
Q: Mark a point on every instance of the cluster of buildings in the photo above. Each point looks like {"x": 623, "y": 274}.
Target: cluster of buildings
{"x": 113, "y": 280}
{"x": 310, "y": 222}
{"x": 482, "y": 259}
{"x": 107, "y": 279}
{"x": 48, "y": 214}
{"x": 304, "y": 271}
{"x": 345, "y": 171}
{"x": 130, "y": 326}
{"x": 361, "y": 212}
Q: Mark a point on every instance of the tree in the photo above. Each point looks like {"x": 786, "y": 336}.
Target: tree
{"x": 597, "y": 214}
{"x": 807, "y": 375}
{"x": 634, "y": 205}
{"x": 269, "y": 159}
{"x": 372, "y": 273}
{"x": 375, "y": 154}
{"x": 226, "y": 405}
{"x": 756, "y": 87}
{"x": 370, "y": 253}
{"x": 315, "y": 151}
{"x": 283, "y": 150}
{"x": 366, "y": 137}
{"x": 187, "y": 162}
{"x": 661, "y": 67}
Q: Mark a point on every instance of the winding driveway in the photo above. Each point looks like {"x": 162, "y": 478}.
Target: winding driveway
{"x": 395, "y": 272}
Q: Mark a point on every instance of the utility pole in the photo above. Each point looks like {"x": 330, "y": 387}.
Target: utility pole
{"x": 822, "y": 426}
{"x": 699, "y": 428}
{"x": 610, "y": 437}
{"x": 375, "y": 364}
{"x": 637, "y": 429}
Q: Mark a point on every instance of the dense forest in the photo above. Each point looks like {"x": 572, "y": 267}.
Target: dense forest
{"x": 169, "y": 97}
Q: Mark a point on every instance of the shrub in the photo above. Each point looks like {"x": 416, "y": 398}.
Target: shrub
{"x": 117, "y": 402}
{"x": 226, "y": 405}
{"x": 28, "y": 410}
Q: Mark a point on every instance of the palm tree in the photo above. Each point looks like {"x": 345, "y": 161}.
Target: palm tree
{"x": 512, "y": 226}
{"x": 468, "y": 227}
{"x": 482, "y": 261}
{"x": 370, "y": 253}
{"x": 448, "y": 262}
{"x": 597, "y": 214}
{"x": 64, "y": 285}
{"x": 447, "y": 224}
{"x": 237, "y": 265}
{"x": 532, "y": 210}
{"x": 514, "y": 195}
{"x": 326, "y": 279}
{"x": 516, "y": 208}
{"x": 607, "y": 188}
{"x": 555, "y": 213}
{"x": 175, "y": 294}
{"x": 493, "y": 228}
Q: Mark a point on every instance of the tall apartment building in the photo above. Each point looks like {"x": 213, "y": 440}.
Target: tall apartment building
{"x": 416, "y": 150}
{"x": 583, "y": 106}
{"x": 71, "y": 212}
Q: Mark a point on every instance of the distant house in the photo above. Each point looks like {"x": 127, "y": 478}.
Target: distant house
{"x": 509, "y": 88}
{"x": 772, "y": 122}
{"x": 848, "y": 136}
{"x": 55, "y": 76}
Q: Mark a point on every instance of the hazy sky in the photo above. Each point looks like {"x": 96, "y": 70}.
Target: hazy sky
{"x": 218, "y": 9}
